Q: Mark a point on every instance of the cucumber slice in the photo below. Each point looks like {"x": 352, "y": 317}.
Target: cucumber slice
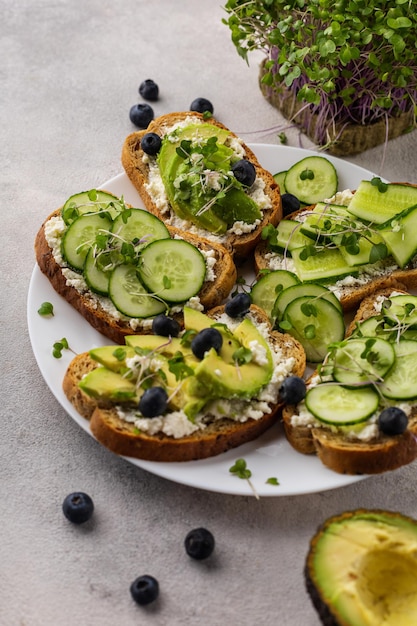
{"x": 380, "y": 203}
{"x": 289, "y": 236}
{"x": 265, "y": 290}
{"x": 173, "y": 269}
{"x": 401, "y": 381}
{"x": 129, "y": 296}
{"x": 371, "y": 327}
{"x": 399, "y": 236}
{"x": 136, "y": 224}
{"x": 362, "y": 361}
{"x": 315, "y": 323}
{"x": 403, "y": 311}
{"x": 279, "y": 178}
{"x": 96, "y": 279}
{"x": 312, "y": 179}
{"x": 303, "y": 289}
{"x": 325, "y": 264}
{"x": 90, "y": 202}
{"x": 333, "y": 404}
{"x": 80, "y": 236}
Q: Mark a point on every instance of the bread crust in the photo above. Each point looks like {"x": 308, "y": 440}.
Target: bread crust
{"x": 353, "y": 295}
{"x": 219, "y": 436}
{"x": 211, "y": 294}
{"x": 138, "y": 173}
{"x": 355, "y": 457}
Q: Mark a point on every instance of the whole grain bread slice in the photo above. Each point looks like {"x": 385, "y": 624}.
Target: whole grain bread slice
{"x": 136, "y": 166}
{"x": 352, "y": 456}
{"x": 94, "y": 309}
{"x": 219, "y": 435}
{"x": 350, "y": 295}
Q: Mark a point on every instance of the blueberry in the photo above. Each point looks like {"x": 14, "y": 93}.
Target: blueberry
{"x": 290, "y": 203}
{"x": 205, "y": 340}
{"x": 199, "y": 543}
{"x": 153, "y": 402}
{"x": 151, "y": 143}
{"x": 293, "y": 390}
{"x": 238, "y": 306}
{"x": 141, "y": 115}
{"x": 149, "y": 90}
{"x": 392, "y": 421}
{"x": 78, "y": 507}
{"x": 244, "y": 172}
{"x": 144, "y": 589}
{"x": 165, "y": 326}
{"x": 201, "y": 105}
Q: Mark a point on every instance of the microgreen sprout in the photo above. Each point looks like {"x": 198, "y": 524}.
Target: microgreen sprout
{"x": 241, "y": 470}
{"x": 59, "y": 346}
{"x": 272, "y": 481}
{"x": 46, "y": 309}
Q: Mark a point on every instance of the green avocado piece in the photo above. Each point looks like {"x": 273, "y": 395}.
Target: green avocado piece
{"x": 361, "y": 569}
{"x": 108, "y": 385}
{"x": 112, "y": 357}
{"x": 167, "y": 346}
{"x": 196, "y": 320}
{"x": 191, "y": 184}
{"x": 229, "y": 380}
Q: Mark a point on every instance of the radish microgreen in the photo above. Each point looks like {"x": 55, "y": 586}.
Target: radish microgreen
{"x": 241, "y": 470}
{"x": 272, "y": 481}
{"x": 59, "y": 346}
{"x": 46, "y": 309}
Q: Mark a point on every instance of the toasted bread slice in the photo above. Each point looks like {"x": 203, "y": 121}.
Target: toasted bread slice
{"x": 137, "y": 167}
{"x": 219, "y": 435}
{"x": 96, "y": 309}
{"x": 353, "y": 456}
{"x": 350, "y": 292}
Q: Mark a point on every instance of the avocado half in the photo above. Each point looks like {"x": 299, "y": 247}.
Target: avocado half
{"x": 361, "y": 569}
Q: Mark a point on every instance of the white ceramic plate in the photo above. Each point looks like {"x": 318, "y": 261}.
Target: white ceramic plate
{"x": 268, "y": 456}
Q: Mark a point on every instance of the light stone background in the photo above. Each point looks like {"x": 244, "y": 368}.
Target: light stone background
{"x": 69, "y": 74}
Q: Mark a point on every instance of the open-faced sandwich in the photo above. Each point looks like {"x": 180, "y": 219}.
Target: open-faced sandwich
{"x": 213, "y": 387}
{"x": 195, "y": 174}
{"x": 359, "y": 414}
{"x": 354, "y": 242}
{"x": 121, "y": 266}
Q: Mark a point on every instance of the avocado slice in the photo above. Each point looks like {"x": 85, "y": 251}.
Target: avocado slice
{"x": 108, "y": 385}
{"x": 229, "y": 380}
{"x": 196, "y": 320}
{"x": 112, "y": 357}
{"x": 168, "y": 346}
{"x": 214, "y": 207}
{"x": 361, "y": 569}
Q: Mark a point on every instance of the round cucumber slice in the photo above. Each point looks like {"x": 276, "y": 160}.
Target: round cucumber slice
{"x": 80, "y": 236}
{"x": 173, "y": 269}
{"x": 315, "y": 323}
{"x": 90, "y": 201}
{"x": 265, "y": 290}
{"x": 401, "y": 381}
{"x": 96, "y": 279}
{"x": 312, "y": 179}
{"x": 403, "y": 310}
{"x": 340, "y": 406}
{"x": 129, "y": 296}
{"x": 363, "y": 360}
{"x": 279, "y": 178}
{"x": 303, "y": 289}
{"x": 137, "y": 224}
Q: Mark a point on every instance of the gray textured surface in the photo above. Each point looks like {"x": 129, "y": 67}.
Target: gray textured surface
{"x": 69, "y": 74}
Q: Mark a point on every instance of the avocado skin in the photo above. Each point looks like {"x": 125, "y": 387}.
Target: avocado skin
{"x": 326, "y": 612}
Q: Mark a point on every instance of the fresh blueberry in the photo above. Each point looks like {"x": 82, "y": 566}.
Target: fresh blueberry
{"x": 149, "y": 90}
{"x": 201, "y": 105}
{"x": 141, "y": 115}
{"x": 151, "y": 143}
{"x": 205, "y": 340}
{"x": 293, "y": 390}
{"x": 144, "y": 589}
{"x": 392, "y": 421}
{"x": 78, "y": 507}
{"x": 165, "y": 326}
{"x": 153, "y": 402}
{"x": 238, "y": 306}
{"x": 244, "y": 172}
{"x": 199, "y": 543}
{"x": 290, "y": 203}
